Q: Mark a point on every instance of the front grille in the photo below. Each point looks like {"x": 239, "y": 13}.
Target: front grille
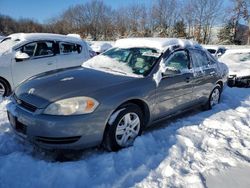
{"x": 58, "y": 140}
{"x": 25, "y": 105}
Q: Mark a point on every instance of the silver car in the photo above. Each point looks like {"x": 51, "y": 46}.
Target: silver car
{"x": 113, "y": 97}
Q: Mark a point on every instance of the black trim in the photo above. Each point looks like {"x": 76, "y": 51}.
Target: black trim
{"x": 57, "y": 140}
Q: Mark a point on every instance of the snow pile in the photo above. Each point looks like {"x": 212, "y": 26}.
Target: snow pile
{"x": 184, "y": 154}
{"x": 209, "y": 143}
{"x": 238, "y": 61}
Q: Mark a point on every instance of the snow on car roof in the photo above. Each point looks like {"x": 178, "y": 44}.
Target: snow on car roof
{"x": 157, "y": 43}
{"x": 43, "y": 36}
{"x": 214, "y": 47}
{"x": 235, "y": 51}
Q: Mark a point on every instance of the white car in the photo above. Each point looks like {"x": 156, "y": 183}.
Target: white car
{"x": 216, "y": 51}
{"x": 100, "y": 46}
{"x": 25, "y": 55}
{"x": 238, "y": 61}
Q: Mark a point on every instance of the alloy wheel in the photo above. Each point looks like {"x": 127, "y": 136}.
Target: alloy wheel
{"x": 128, "y": 129}
{"x": 2, "y": 89}
{"x": 215, "y": 97}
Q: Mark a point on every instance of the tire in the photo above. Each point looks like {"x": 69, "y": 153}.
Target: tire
{"x": 214, "y": 98}
{"x": 122, "y": 132}
{"x": 4, "y": 88}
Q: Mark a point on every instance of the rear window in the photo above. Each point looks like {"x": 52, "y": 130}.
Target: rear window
{"x": 69, "y": 48}
{"x": 199, "y": 58}
{"x": 212, "y": 51}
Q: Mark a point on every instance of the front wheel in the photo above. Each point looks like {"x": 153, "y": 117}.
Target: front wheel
{"x": 126, "y": 127}
{"x": 4, "y": 88}
{"x": 214, "y": 98}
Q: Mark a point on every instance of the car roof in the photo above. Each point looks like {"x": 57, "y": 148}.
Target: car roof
{"x": 44, "y": 36}
{"x": 158, "y": 43}
{"x": 234, "y": 51}
{"x": 214, "y": 47}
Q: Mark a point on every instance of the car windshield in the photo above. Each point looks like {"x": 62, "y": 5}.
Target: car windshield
{"x": 7, "y": 44}
{"x": 129, "y": 61}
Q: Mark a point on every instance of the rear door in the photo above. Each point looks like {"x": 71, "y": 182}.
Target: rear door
{"x": 42, "y": 59}
{"x": 205, "y": 75}
{"x": 71, "y": 55}
{"x": 174, "y": 92}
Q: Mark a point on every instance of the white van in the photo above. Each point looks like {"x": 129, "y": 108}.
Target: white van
{"x": 25, "y": 55}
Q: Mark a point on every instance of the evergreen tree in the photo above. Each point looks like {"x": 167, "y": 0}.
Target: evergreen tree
{"x": 179, "y": 29}
{"x": 226, "y": 34}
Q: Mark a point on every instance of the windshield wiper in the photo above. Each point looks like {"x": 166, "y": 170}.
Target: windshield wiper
{"x": 114, "y": 70}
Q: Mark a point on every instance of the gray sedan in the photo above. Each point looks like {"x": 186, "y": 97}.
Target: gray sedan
{"x": 113, "y": 97}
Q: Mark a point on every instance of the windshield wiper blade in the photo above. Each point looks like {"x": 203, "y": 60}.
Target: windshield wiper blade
{"x": 114, "y": 70}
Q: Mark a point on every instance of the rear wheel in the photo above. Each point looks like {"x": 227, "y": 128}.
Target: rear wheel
{"x": 4, "y": 88}
{"x": 126, "y": 127}
{"x": 214, "y": 98}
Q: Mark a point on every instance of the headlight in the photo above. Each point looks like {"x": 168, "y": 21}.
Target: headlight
{"x": 72, "y": 106}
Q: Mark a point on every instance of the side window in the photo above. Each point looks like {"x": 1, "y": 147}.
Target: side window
{"x": 178, "y": 61}
{"x": 211, "y": 58}
{"x": 44, "y": 48}
{"x": 69, "y": 48}
{"x": 29, "y": 49}
{"x": 199, "y": 58}
{"x": 38, "y": 49}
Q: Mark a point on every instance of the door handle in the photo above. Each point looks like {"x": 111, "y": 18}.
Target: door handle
{"x": 50, "y": 63}
{"x": 212, "y": 73}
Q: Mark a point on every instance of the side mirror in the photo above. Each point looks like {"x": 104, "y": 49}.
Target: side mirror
{"x": 20, "y": 56}
{"x": 170, "y": 71}
{"x": 219, "y": 54}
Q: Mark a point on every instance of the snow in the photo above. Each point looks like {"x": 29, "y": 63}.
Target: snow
{"x": 193, "y": 150}
{"x": 157, "y": 43}
{"x": 45, "y": 36}
{"x": 158, "y": 75}
{"x": 6, "y": 45}
{"x": 238, "y": 61}
{"x": 110, "y": 65}
{"x": 230, "y": 178}
{"x": 114, "y": 115}
{"x": 100, "y": 46}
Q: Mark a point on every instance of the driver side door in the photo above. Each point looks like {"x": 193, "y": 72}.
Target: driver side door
{"x": 174, "y": 92}
{"x": 41, "y": 59}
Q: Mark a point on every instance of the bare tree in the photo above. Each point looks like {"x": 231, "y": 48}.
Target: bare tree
{"x": 164, "y": 15}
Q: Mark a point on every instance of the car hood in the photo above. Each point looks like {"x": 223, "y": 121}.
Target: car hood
{"x": 48, "y": 87}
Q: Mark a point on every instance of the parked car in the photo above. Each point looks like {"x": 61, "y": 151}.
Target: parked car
{"x": 114, "y": 96}
{"x": 238, "y": 61}
{"x": 216, "y": 51}
{"x": 25, "y": 55}
{"x": 91, "y": 51}
{"x": 100, "y": 46}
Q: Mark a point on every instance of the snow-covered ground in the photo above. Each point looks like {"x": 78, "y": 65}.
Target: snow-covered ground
{"x": 199, "y": 149}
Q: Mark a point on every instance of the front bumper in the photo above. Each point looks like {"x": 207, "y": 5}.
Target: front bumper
{"x": 58, "y": 132}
